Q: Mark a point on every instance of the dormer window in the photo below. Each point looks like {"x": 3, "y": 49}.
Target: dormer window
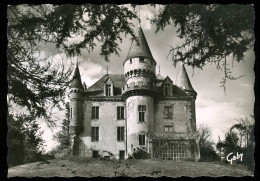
{"x": 108, "y": 90}
{"x": 141, "y": 59}
{"x": 167, "y": 89}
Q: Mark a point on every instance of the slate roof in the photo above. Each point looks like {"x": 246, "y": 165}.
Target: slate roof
{"x": 97, "y": 89}
{"x": 140, "y": 49}
{"x": 183, "y": 80}
{"x": 76, "y": 79}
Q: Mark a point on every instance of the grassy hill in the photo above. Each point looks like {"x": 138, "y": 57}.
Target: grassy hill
{"x": 85, "y": 167}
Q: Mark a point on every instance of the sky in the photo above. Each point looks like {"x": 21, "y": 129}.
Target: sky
{"x": 214, "y": 108}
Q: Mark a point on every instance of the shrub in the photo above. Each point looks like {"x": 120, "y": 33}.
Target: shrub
{"x": 141, "y": 153}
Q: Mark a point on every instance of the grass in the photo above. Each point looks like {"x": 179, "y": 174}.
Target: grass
{"x": 86, "y": 167}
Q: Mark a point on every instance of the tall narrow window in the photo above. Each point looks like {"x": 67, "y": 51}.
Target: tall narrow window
{"x": 141, "y": 110}
{"x": 95, "y": 112}
{"x": 167, "y": 112}
{"x": 131, "y": 61}
{"x": 71, "y": 112}
{"x": 168, "y": 129}
{"x": 167, "y": 89}
{"x": 108, "y": 90}
{"x": 120, "y": 133}
{"x": 120, "y": 112}
{"x": 141, "y": 139}
{"x": 95, "y": 134}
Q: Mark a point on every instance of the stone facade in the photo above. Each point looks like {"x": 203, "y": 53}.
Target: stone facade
{"x": 138, "y": 109}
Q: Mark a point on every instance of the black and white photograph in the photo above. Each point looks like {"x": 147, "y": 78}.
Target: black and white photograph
{"x": 130, "y": 90}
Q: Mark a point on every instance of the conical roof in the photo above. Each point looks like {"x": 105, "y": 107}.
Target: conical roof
{"x": 76, "y": 79}
{"x": 183, "y": 80}
{"x": 140, "y": 47}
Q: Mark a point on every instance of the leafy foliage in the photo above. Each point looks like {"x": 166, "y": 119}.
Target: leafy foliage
{"x": 211, "y": 33}
{"x": 140, "y": 153}
{"x": 206, "y": 145}
{"x": 64, "y": 136}
{"x": 24, "y": 140}
{"x": 240, "y": 138}
{"x": 39, "y": 83}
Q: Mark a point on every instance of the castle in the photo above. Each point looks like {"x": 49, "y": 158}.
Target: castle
{"x": 123, "y": 113}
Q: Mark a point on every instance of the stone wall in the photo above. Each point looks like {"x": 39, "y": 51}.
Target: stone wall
{"x": 107, "y": 124}
{"x": 134, "y": 127}
{"x": 181, "y": 119}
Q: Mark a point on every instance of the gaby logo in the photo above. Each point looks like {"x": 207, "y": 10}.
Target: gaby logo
{"x": 235, "y": 157}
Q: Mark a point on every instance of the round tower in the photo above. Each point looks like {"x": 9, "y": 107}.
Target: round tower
{"x": 76, "y": 100}
{"x": 183, "y": 82}
{"x": 139, "y": 71}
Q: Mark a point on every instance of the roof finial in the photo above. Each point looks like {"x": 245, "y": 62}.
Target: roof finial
{"x": 77, "y": 64}
{"x": 107, "y": 69}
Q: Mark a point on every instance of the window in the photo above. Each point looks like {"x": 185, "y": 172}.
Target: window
{"x": 141, "y": 59}
{"x": 120, "y": 112}
{"x": 167, "y": 89}
{"x": 141, "y": 139}
{"x": 131, "y": 61}
{"x": 95, "y": 112}
{"x": 167, "y": 112}
{"x": 174, "y": 150}
{"x": 141, "y": 110}
{"x": 71, "y": 112}
{"x": 108, "y": 90}
{"x": 95, "y": 154}
{"x": 95, "y": 134}
{"x": 168, "y": 129}
{"x": 121, "y": 154}
{"x": 120, "y": 133}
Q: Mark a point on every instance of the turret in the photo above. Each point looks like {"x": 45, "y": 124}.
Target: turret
{"x": 183, "y": 82}
{"x": 75, "y": 95}
{"x": 139, "y": 66}
{"x": 139, "y": 71}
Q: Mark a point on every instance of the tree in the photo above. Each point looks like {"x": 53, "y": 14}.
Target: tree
{"x": 245, "y": 132}
{"x": 64, "y": 136}
{"x": 206, "y": 145}
{"x": 240, "y": 138}
{"x": 211, "y": 33}
{"x": 15, "y": 142}
{"x": 37, "y": 83}
{"x": 24, "y": 139}
{"x": 245, "y": 128}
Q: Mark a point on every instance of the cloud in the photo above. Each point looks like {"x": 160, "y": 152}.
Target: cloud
{"x": 90, "y": 71}
{"x": 219, "y": 116}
